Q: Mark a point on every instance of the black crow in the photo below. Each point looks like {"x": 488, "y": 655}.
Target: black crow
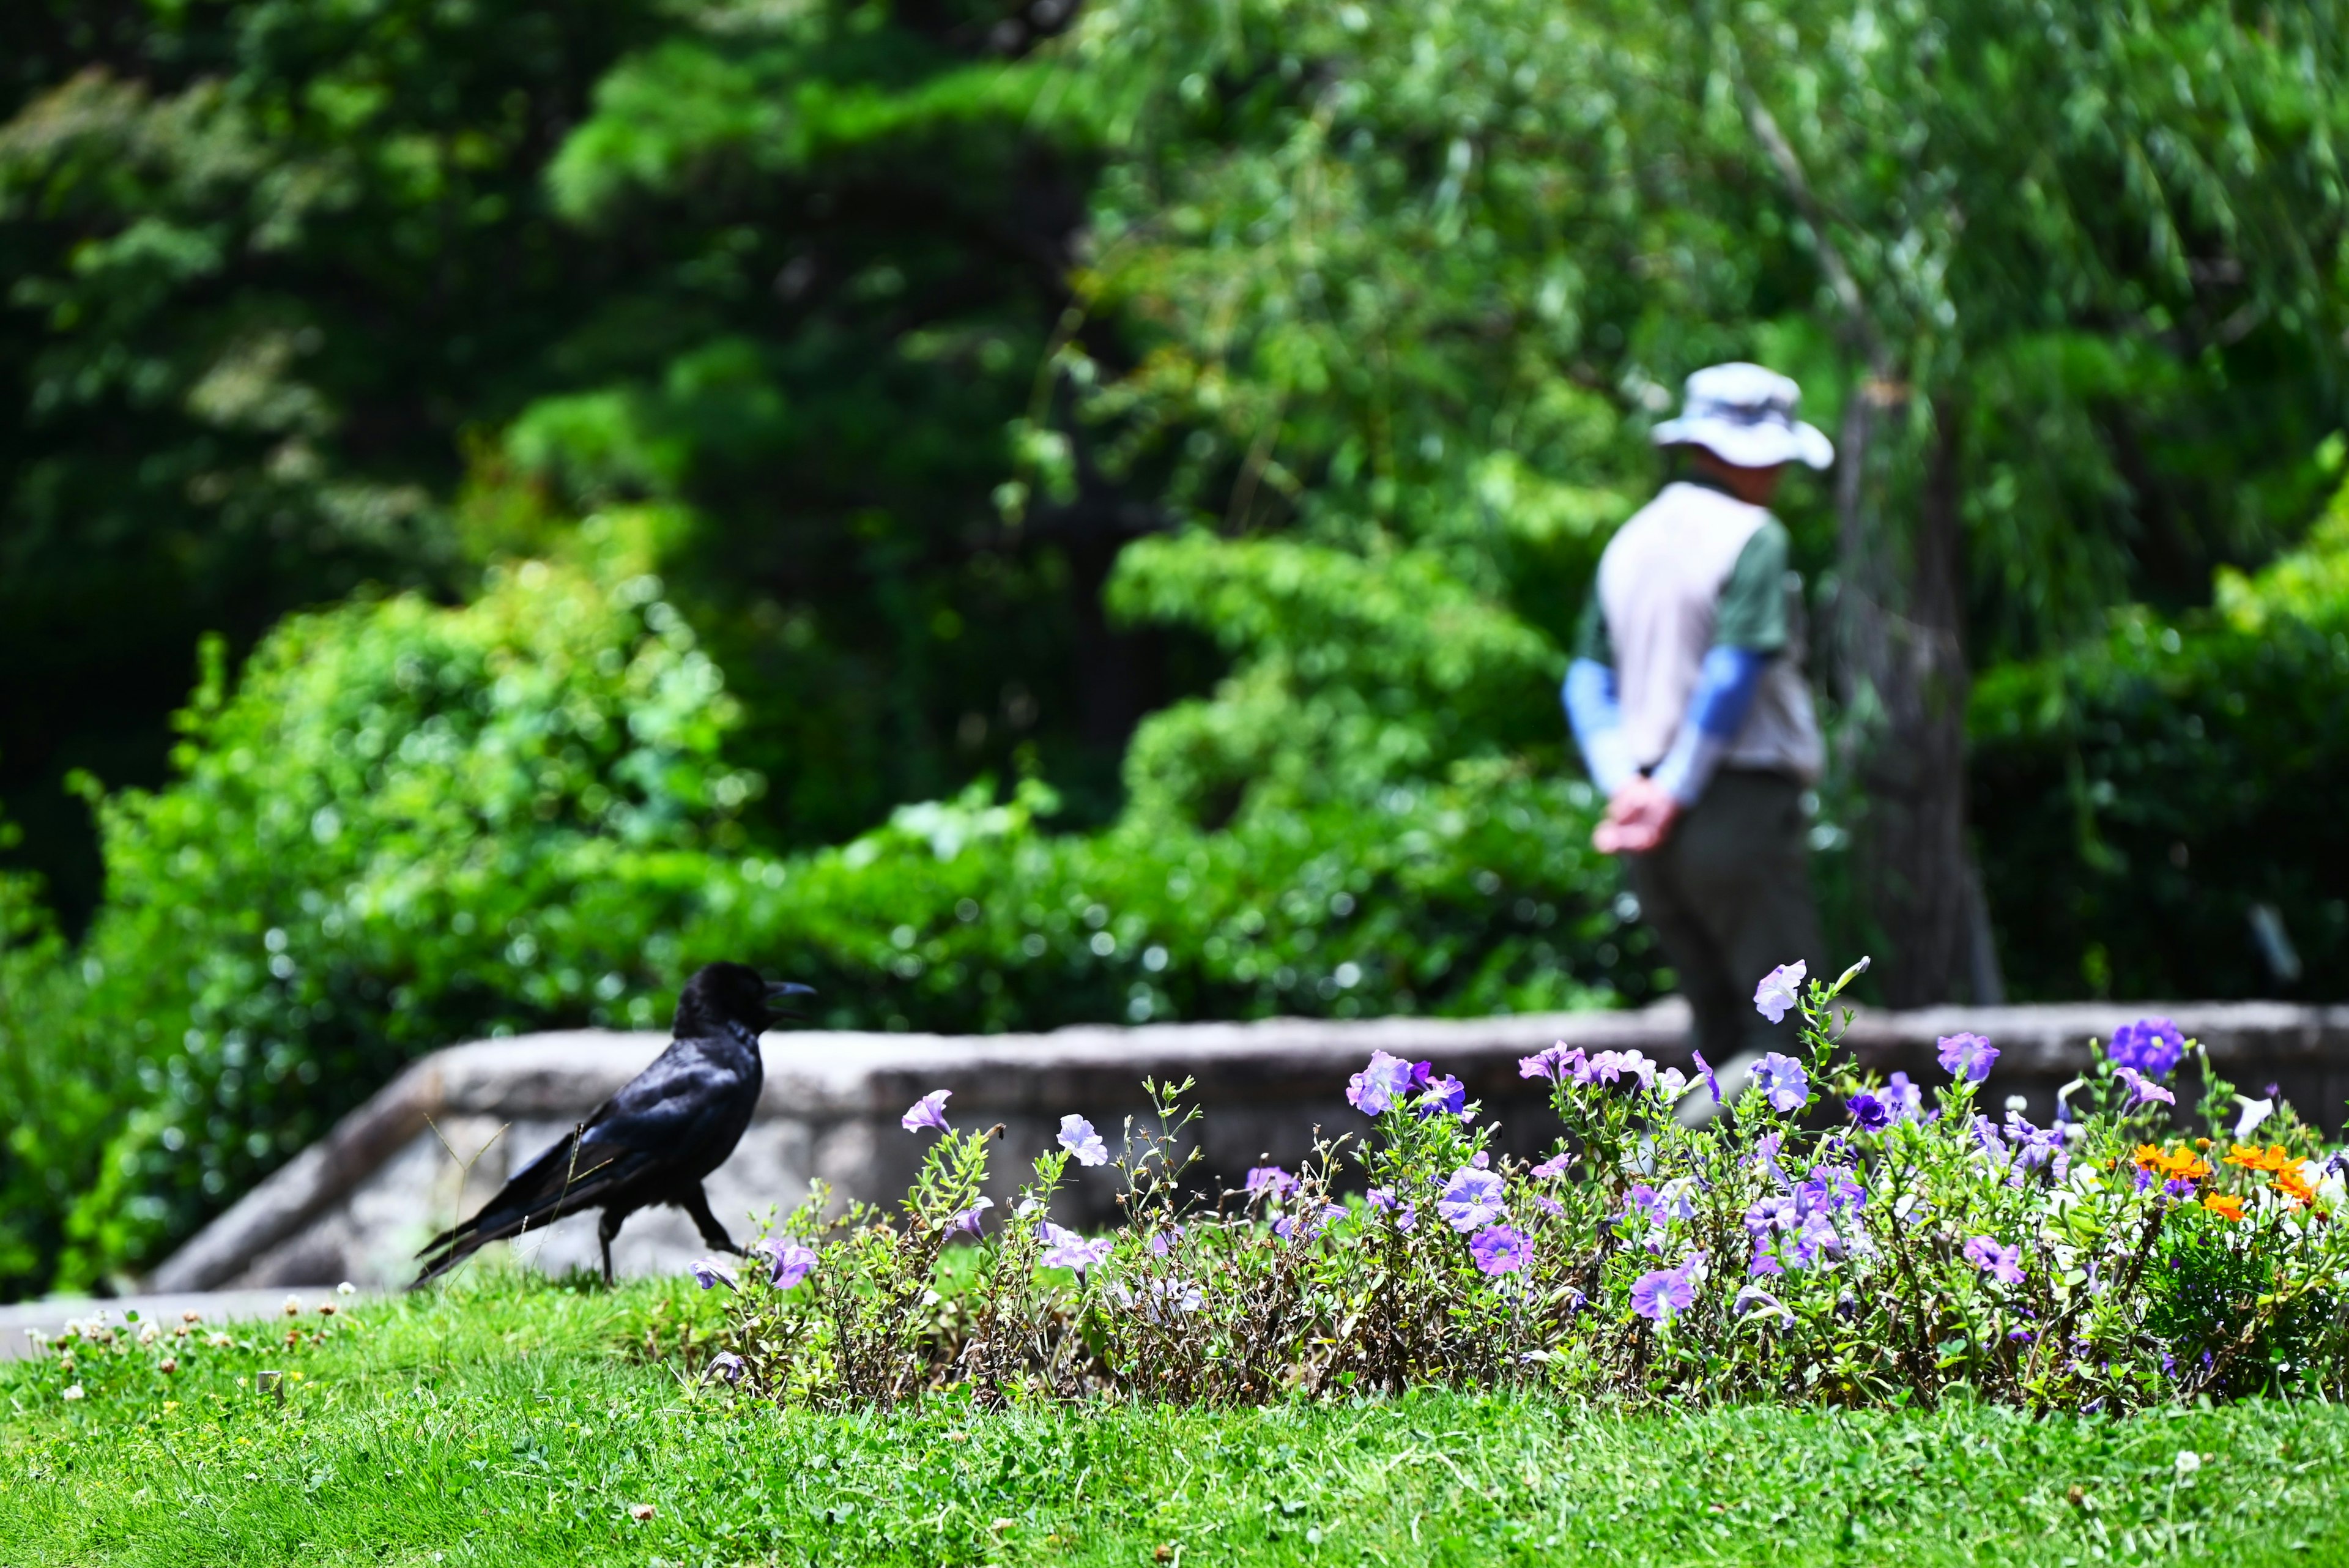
{"x": 653, "y": 1142}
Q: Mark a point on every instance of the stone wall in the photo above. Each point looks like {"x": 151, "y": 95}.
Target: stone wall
{"x": 442, "y": 1137}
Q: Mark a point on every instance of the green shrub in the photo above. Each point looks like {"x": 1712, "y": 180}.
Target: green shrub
{"x": 2139, "y": 799}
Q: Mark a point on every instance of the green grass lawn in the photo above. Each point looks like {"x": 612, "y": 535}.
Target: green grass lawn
{"x": 513, "y": 1422}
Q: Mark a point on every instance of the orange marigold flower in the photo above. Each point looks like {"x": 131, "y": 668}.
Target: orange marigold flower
{"x": 2224, "y": 1205}
{"x": 2171, "y": 1165}
{"x": 2293, "y": 1183}
{"x": 2251, "y": 1156}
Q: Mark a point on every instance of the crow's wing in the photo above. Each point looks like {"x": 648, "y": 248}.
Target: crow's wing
{"x": 639, "y": 1139}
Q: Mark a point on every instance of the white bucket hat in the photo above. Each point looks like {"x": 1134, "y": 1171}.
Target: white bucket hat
{"x": 1745, "y": 415}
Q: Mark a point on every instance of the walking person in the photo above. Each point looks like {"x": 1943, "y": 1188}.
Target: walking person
{"x": 1687, "y": 697}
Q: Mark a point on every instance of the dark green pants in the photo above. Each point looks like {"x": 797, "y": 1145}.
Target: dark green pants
{"x": 1729, "y": 892}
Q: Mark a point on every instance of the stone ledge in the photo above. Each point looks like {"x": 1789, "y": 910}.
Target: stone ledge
{"x": 428, "y": 1144}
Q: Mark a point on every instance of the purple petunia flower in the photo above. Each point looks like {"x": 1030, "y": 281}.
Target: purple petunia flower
{"x": 1664, "y": 1295}
{"x": 1499, "y": 1249}
{"x": 968, "y": 1220}
{"x": 1642, "y": 1206}
{"x": 1766, "y": 1260}
{"x": 709, "y": 1272}
{"x": 1271, "y": 1180}
{"x": 929, "y": 1111}
{"x": 1550, "y": 1169}
{"x": 1967, "y": 1057}
{"x": 1470, "y": 1199}
{"x": 1406, "y": 1215}
{"x": 2142, "y": 1089}
{"x": 1077, "y": 1135}
{"x": 1868, "y": 1111}
{"x": 1382, "y": 1083}
{"x": 1780, "y": 989}
{"x": 1704, "y": 1071}
{"x": 1447, "y": 1095}
{"x": 2150, "y": 1045}
{"x": 1773, "y": 1213}
{"x": 726, "y": 1365}
{"x": 1163, "y": 1241}
{"x": 1549, "y": 1206}
{"x": 790, "y": 1262}
{"x": 1782, "y": 1082}
{"x": 1064, "y": 1249}
{"x": 2003, "y": 1264}
{"x": 1613, "y": 1066}
{"x": 1833, "y": 1188}
{"x": 1308, "y": 1225}
{"x": 1754, "y": 1299}
{"x": 1559, "y": 1061}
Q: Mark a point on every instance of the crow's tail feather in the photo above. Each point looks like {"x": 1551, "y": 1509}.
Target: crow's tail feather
{"x": 557, "y": 1183}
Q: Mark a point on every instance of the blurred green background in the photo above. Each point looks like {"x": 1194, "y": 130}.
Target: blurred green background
{"x": 1027, "y": 514}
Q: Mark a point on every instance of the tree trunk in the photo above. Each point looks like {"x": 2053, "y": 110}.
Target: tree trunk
{"x": 1902, "y": 674}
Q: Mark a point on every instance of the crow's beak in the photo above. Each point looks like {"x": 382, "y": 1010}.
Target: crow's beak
{"x": 782, "y": 989}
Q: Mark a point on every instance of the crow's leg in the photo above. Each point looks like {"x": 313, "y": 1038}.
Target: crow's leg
{"x": 696, "y": 1204}
{"x": 607, "y": 1226}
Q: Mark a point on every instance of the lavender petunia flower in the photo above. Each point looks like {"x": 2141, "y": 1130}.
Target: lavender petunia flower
{"x": 1904, "y": 1099}
{"x": 1780, "y": 989}
{"x": 2003, "y": 1264}
{"x": 1754, "y": 1299}
{"x": 1541, "y": 1063}
{"x": 1550, "y": 1169}
{"x": 1704, "y": 1071}
{"x": 1868, "y": 1111}
{"x": 790, "y": 1262}
{"x": 968, "y": 1220}
{"x": 1549, "y": 1206}
{"x": 2142, "y": 1089}
{"x": 1382, "y": 1083}
{"x": 1766, "y": 1260}
{"x": 1064, "y": 1249}
{"x": 1499, "y": 1249}
{"x": 726, "y": 1367}
{"x": 929, "y": 1111}
{"x": 1471, "y": 1199}
{"x": 2151, "y": 1045}
{"x": 1664, "y": 1295}
{"x": 1077, "y": 1135}
{"x": 1163, "y": 1241}
{"x": 1782, "y": 1082}
{"x": 1406, "y": 1215}
{"x": 709, "y": 1272}
{"x": 1967, "y": 1057}
{"x": 1773, "y": 1213}
{"x": 1271, "y": 1180}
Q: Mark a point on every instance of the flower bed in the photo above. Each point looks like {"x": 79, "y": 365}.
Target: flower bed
{"x": 1825, "y": 1236}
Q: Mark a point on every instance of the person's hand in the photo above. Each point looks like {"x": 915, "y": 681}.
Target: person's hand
{"x": 1639, "y": 816}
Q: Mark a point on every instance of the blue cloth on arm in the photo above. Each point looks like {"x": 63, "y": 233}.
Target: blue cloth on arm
{"x": 1596, "y": 714}
{"x": 1725, "y": 684}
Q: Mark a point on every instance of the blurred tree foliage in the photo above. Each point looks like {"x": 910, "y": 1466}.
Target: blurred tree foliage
{"x": 717, "y": 422}
{"x": 282, "y": 275}
{"x": 2157, "y": 805}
